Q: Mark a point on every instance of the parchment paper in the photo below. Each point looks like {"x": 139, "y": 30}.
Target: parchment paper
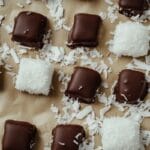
{"x": 22, "y": 106}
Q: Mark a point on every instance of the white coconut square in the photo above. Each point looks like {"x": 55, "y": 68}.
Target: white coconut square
{"x": 120, "y": 134}
{"x": 34, "y": 76}
{"x": 130, "y": 39}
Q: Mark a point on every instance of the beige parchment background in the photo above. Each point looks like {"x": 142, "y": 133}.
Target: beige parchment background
{"x": 31, "y": 108}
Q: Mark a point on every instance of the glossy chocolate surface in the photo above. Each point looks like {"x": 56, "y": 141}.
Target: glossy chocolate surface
{"x": 18, "y": 135}
{"x": 67, "y": 137}
{"x": 85, "y": 31}
{"x": 83, "y": 84}
{"x": 29, "y": 29}
{"x": 131, "y": 86}
{"x": 132, "y": 7}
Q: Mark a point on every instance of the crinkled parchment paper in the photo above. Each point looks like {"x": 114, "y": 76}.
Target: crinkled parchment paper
{"x": 35, "y": 108}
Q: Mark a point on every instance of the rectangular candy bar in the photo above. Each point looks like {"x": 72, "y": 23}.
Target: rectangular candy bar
{"x": 84, "y": 31}
{"x": 18, "y": 135}
{"x": 29, "y": 29}
{"x": 67, "y": 137}
{"x": 132, "y": 7}
{"x": 131, "y": 86}
{"x": 83, "y": 84}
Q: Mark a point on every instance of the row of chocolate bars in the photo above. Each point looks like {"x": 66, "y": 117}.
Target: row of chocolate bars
{"x": 30, "y": 27}
{"x": 118, "y": 133}
{"x": 35, "y": 76}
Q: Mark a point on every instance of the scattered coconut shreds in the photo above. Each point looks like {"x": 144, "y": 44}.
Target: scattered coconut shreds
{"x": 88, "y": 144}
{"x": 83, "y": 113}
{"x": 106, "y": 100}
{"x": 103, "y": 15}
{"x": 55, "y": 54}
{"x": 105, "y": 85}
{"x": 146, "y": 137}
{"x": 119, "y": 106}
{"x": 95, "y": 53}
{"x": 28, "y": 2}
{"x": 64, "y": 79}
{"x": 4, "y": 51}
{"x": 100, "y": 67}
{"x": 103, "y": 68}
{"x": 94, "y": 124}
{"x": 20, "y": 5}
{"x": 147, "y": 60}
{"x": 1, "y": 2}
{"x": 137, "y": 64}
{"x": 9, "y": 28}
{"x": 110, "y": 61}
{"x": 70, "y": 58}
{"x": 22, "y": 51}
{"x": 54, "y": 109}
{"x": 57, "y": 12}
{"x": 112, "y": 13}
{"x": 103, "y": 99}
{"x": 65, "y": 27}
{"x": 128, "y": 44}
{"x": 58, "y": 55}
{"x": 139, "y": 112}
{"x": 143, "y": 18}
{"x": 109, "y": 2}
{"x": 69, "y": 111}
{"x": 1, "y": 19}
{"x": 14, "y": 56}
{"x": 47, "y": 37}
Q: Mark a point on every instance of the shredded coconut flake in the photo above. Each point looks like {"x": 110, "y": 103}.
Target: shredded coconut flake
{"x": 57, "y": 12}
{"x": 53, "y": 53}
{"x": 112, "y": 13}
{"x": 20, "y": 5}
{"x": 147, "y": 60}
{"x": 109, "y": 2}
{"x": 65, "y": 27}
{"x": 9, "y": 28}
{"x": 94, "y": 124}
{"x": 83, "y": 113}
{"x": 103, "y": 15}
{"x": 146, "y": 137}
{"x": 1, "y": 2}
{"x": 28, "y": 2}
{"x": 14, "y": 56}
{"x": 137, "y": 64}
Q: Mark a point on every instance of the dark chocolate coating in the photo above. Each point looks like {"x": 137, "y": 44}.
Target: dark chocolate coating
{"x": 67, "y": 137}
{"x": 84, "y": 31}
{"x": 18, "y": 135}
{"x": 132, "y": 7}
{"x": 131, "y": 86}
{"x": 83, "y": 84}
{"x": 29, "y": 29}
